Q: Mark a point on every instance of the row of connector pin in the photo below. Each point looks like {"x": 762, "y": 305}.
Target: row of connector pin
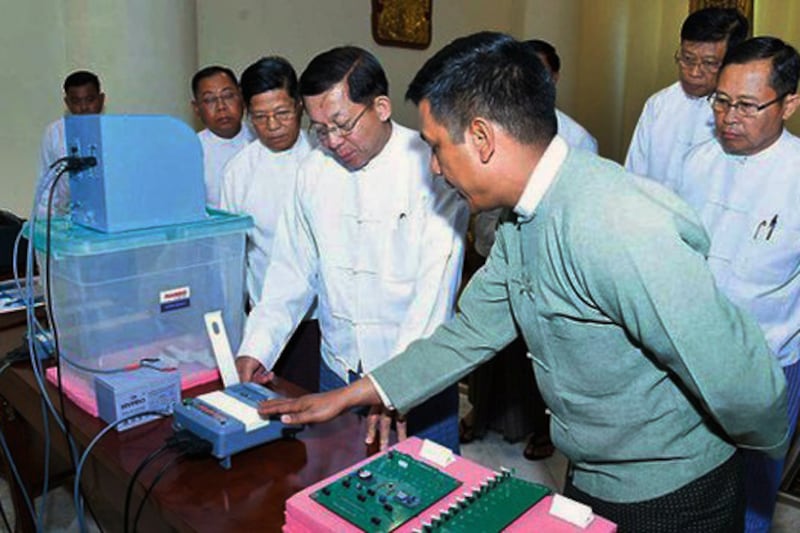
{"x": 462, "y": 502}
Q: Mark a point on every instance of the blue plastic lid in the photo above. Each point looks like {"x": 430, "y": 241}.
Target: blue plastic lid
{"x": 67, "y": 238}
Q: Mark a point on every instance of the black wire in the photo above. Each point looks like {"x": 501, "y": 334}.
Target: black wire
{"x": 56, "y": 350}
{"x": 153, "y": 484}
{"x": 129, "y": 492}
{"x": 49, "y": 301}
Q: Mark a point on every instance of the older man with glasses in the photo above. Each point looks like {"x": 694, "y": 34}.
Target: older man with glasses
{"x": 369, "y": 232}
{"x": 259, "y": 181}
{"x": 677, "y": 117}
{"x": 653, "y": 378}
{"x": 745, "y": 184}
{"x": 218, "y": 104}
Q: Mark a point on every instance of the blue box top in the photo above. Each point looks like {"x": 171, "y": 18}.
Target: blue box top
{"x": 68, "y": 238}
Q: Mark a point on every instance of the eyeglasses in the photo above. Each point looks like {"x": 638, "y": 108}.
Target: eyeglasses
{"x": 723, "y": 104}
{"x": 284, "y": 116}
{"x": 688, "y": 62}
{"x": 227, "y": 98}
{"x": 323, "y": 133}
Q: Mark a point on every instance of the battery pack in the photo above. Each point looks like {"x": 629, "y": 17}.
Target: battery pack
{"x": 128, "y": 394}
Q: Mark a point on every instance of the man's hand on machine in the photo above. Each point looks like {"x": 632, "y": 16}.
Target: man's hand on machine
{"x": 321, "y": 407}
{"x": 251, "y": 369}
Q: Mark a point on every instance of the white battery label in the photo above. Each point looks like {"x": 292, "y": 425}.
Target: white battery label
{"x": 177, "y": 298}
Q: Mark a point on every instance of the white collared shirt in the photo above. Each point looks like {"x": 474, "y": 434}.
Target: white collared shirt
{"x": 749, "y": 206}
{"x": 575, "y": 134}
{"x": 259, "y": 182}
{"x": 53, "y": 146}
{"x": 381, "y": 248}
{"x": 671, "y": 123}
{"x": 542, "y": 177}
{"x": 217, "y": 151}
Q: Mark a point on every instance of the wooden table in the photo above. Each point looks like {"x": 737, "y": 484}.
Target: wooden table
{"x": 194, "y": 495}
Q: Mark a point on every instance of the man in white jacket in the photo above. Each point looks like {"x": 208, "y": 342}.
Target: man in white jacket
{"x": 218, "y": 104}
{"x": 260, "y": 180}
{"x": 745, "y": 186}
{"x": 371, "y": 234}
{"x": 678, "y": 117}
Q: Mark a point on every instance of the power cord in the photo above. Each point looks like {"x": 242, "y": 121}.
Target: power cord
{"x": 47, "y": 185}
{"x": 73, "y": 163}
{"x": 175, "y": 441}
{"x": 77, "y": 495}
{"x": 188, "y": 445}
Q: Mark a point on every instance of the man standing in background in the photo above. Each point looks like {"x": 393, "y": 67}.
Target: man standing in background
{"x": 218, "y": 104}
{"x": 572, "y": 132}
{"x": 677, "y": 118}
{"x": 745, "y": 185}
{"x": 260, "y": 180}
{"x": 82, "y": 96}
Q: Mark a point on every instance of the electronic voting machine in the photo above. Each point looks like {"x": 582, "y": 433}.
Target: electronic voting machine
{"x": 229, "y": 418}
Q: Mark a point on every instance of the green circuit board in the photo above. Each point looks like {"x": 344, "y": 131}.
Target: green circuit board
{"x": 496, "y": 504}
{"x": 386, "y": 493}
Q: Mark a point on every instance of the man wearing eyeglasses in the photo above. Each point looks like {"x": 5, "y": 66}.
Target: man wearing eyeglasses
{"x": 677, "y": 117}
{"x": 371, "y": 234}
{"x": 745, "y": 184}
{"x": 82, "y": 96}
{"x": 639, "y": 357}
{"x": 259, "y": 181}
{"x": 218, "y": 104}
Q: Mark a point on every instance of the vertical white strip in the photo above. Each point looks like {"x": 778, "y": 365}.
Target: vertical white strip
{"x": 222, "y": 348}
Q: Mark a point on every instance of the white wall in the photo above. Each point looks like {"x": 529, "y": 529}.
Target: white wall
{"x": 614, "y": 53}
{"x": 625, "y": 54}
{"x": 557, "y": 23}
{"x": 236, "y": 33}
{"x": 144, "y": 51}
{"x": 32, "y": 57}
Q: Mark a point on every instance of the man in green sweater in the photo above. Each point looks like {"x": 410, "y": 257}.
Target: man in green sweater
{"x": 652, "y": 376}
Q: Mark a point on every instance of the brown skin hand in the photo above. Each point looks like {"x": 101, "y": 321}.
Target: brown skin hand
{"x": 321, "y": 407}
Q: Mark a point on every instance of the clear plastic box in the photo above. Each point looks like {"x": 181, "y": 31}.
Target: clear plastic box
{"x": 121, "y": 299}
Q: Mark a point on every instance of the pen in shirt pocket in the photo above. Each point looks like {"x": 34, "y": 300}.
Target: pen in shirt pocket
{"x": 772, "y": 224}
{"x": 400, "y": 221}
{"x": 769, "y": 227}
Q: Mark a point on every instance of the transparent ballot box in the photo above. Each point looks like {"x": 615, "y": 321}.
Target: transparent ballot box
{"x": 139, "y": 297}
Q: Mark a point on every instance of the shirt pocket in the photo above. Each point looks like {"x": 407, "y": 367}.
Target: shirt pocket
{"x": 586, "y": 354}
{"x": 768, "y": 261}
{"x": 402, "y": 248}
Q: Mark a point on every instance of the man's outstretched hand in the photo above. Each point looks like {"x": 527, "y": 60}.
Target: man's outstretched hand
{"x": 321, "y": 407}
